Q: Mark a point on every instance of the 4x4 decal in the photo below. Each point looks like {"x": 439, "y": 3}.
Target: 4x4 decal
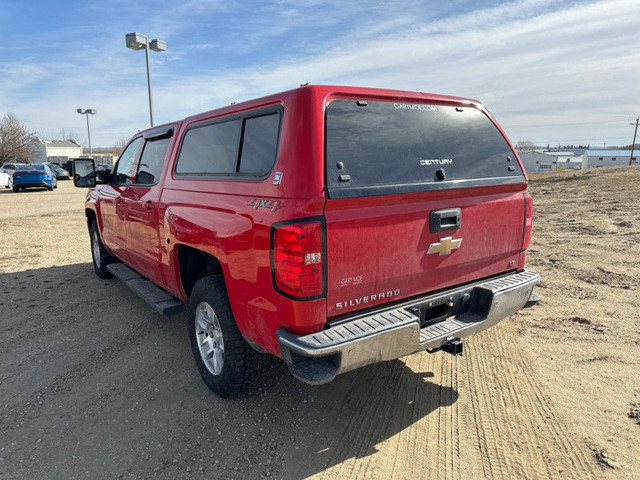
{"x": 272, "y": 205}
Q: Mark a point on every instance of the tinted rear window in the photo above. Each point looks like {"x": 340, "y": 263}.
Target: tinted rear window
{"x": 210, "y": 149}
{"x": 30, "y": 168}
{"x": 260, "y": 144}
{"x": 386, "y": 147}
{"x": 244, "y": 146}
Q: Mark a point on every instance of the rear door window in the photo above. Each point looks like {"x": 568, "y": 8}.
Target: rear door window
{"x": 375, "y": 148}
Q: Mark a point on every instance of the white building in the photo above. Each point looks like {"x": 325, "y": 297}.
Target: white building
{"x": 568, "y": 160}
{"x": 537, "y": 161}
{"x": 55, "y": 150}
{"x": 608, "y": 158}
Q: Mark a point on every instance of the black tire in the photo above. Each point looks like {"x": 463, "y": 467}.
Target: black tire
{"x": 99, "y": 264}
{"x": 50, "y": 189}
{"x": 241, "y": 366}
{"x": 16, "y": 189}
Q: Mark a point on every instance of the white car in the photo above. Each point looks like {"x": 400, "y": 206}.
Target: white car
{"x": 6, "y": 179}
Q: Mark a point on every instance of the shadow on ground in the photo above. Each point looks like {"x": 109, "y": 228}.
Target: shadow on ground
{"x": 95, "y": 384}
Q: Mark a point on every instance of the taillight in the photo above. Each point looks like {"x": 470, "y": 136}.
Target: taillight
{"x": 528, "y": 221}
{"x": 297, "y": 258}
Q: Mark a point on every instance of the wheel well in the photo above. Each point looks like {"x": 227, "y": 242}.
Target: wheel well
{"x": 195, "y": 264}
{"x": 91, "y": 217}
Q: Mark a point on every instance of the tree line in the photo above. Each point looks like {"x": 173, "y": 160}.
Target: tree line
{"x": 17, "y": 141}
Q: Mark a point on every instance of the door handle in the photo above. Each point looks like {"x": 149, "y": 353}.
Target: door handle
{"x": 443, "y": 220}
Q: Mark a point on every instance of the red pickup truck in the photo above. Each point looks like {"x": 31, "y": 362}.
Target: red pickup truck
{"x": 333, "y": 227}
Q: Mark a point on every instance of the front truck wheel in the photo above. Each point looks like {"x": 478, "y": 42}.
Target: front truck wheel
{"x": 99, "y": 254}
{"x": 226, "y": 362}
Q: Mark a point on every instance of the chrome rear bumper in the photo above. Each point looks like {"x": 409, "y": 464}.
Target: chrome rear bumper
{"x": 393, "y": 332}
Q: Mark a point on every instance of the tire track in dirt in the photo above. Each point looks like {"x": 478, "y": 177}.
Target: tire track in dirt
{"x": 374, "y": 407}
{"x": 502, "y": 426}
{"x": 513, "y": 424}
{"x": 413, "y": 447}
{"x": 405, "y": 424}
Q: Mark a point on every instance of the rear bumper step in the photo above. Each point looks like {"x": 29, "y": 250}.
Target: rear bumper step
{"x": 393, "y": 332}
{"x": 147, "y": 290}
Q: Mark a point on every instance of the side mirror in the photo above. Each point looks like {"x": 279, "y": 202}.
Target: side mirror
{"x": 84, "y": 173}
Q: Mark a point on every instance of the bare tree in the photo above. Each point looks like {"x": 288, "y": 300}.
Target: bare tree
{"x": 64, "y": 134}
{"x": 525, "y": 145}
{"x": 118, "y": 147}
{"x": 16, "y": 142}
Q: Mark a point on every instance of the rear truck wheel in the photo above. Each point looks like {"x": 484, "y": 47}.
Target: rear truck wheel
{"x": 226, "y": 362}
{"x": 50, "y": 189}
{"x": 99, "y": 254}
{"x": 16, "y": 189}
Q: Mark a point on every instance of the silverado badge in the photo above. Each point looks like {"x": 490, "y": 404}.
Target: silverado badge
{"x": 445, "y": 246}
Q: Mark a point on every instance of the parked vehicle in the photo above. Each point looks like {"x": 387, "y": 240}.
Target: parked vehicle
{"x": 11, "y": 167}
{"x": 6, "y": 179}
{"x": 68, "y": 166}
{"x": 333, "y": 227}
{"x": 32, "y": 175}
{"x": 60, "y": 173}
{"x": 103, "y": 172}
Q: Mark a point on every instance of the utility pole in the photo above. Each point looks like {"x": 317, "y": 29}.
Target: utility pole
{"x": 633, "y": 144}
{"x": 86, "y": 112}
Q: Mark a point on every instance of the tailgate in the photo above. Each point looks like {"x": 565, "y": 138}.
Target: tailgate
{"x": 377, "y": 246}
{"x": 421, "y": 197}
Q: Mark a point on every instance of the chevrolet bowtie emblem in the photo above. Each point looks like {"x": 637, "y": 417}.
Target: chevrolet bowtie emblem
{"x": 445, "y": 246}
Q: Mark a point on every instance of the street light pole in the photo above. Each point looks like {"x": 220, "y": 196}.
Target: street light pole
{"x": 146, "y": 54}
{"x": 86, "y": 113}
{"x": 137, "y": 41}
{"x": 633, "y": 144}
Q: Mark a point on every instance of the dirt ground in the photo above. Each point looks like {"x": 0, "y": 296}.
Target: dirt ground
{"x": 94, "y": 384}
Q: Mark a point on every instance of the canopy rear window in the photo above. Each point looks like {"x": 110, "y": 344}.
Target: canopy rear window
{"x": 377, "y": 148}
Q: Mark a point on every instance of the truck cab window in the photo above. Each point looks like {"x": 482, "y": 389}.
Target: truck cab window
{"x": 124, "y": 168}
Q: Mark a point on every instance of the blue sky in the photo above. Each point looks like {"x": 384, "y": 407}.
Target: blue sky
{"x": 550, "y": 71}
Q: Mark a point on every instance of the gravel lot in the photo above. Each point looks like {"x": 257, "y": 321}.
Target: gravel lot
{"x": 94, "y": 384}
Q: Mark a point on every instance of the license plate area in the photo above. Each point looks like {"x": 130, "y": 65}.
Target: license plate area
{"x": 441, "y": 309}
